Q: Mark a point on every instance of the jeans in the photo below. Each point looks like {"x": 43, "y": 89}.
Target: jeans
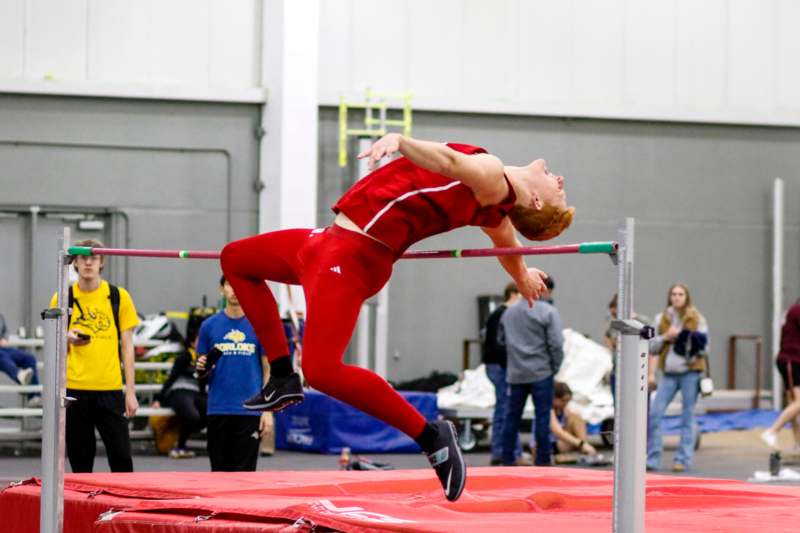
{"x": 497, "y": 375}
{"x": 670, "y": 384}
{"x": 542, "y": 393}
{"x": 13, "y": 360}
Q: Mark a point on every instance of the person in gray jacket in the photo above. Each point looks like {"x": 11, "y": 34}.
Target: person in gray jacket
{"x": 534, "y": 347}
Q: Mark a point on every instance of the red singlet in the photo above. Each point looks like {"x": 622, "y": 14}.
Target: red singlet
{"x": 401, "y": 203}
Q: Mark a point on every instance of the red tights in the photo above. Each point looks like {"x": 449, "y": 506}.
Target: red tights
{"x": 338, "y": 270}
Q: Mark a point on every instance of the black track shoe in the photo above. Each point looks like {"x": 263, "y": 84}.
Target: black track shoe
{"x": 447, "y": 460}
{"x": 277, "y": 394}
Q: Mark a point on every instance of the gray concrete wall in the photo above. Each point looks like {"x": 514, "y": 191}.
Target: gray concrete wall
{"x": 701, "y": 196}
{"x": 182, "y": 173}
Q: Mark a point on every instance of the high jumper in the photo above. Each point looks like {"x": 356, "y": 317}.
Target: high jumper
{"x": 433, "y": 188}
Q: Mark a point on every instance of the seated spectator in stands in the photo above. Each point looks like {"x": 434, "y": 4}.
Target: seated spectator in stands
{"x": 567, "y": 428}
{"x": 679, "y": 350}
{"x": 99, "y": 336}
{"x": 237, "y": 369}
{"x": 182, "y": 391}
{"x": 535, "y": 351}
{"x": 19, "y": 365}
{"x": 788, "y": 363}
{"x": 493, "y": 355}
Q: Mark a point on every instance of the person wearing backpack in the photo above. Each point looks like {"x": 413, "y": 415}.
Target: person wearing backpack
{"x": 99, "y": 337}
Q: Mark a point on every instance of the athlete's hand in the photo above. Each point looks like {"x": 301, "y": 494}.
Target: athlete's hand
{"x": 532, "y": 286}
{"x": 385, "y": 146}
{"x": 200, "y": 364}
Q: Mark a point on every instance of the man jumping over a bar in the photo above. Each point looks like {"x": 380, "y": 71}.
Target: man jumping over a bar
{"x": 432, "y": 189}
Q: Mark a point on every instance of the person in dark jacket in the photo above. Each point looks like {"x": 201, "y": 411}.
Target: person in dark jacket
{"x": 493, "y": 355}
{"x": 183, "y": 392}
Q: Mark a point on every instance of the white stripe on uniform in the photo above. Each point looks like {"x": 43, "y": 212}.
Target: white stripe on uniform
{"x": 403, "y": 197}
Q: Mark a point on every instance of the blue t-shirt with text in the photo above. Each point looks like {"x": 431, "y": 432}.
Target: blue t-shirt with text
{"x": 238, "y": 374}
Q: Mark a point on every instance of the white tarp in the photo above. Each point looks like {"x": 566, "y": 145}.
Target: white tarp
{"x": 585, "y": 368}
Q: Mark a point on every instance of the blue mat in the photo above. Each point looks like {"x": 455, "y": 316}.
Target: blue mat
{"x": 325, "y": 425}
{"x": 712, "y": 422}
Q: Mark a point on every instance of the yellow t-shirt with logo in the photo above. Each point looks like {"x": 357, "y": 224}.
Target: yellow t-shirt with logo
{"x": 96, "y": 366}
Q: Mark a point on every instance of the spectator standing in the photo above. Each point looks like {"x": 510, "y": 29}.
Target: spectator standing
{"x": 493, "y": 355}
{"x": 788, "y": 363}
{"x": 18, "y": 364}
{"x": 679, "y": 351}
{"x": 534, "y": 346}
{"x": 237, "y": 368}
{"x": 99, "y": 335}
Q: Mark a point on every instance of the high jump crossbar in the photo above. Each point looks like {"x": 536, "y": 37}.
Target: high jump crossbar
{"x": 581, "y": 248}
{"x": 631, "y": 356}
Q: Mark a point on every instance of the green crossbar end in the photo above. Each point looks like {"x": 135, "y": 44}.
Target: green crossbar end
{"x": 596, "y": 248}
{"x": 183, "y": 254}
{"x": 456, "y": 253}
{"x": 79, "y": 250}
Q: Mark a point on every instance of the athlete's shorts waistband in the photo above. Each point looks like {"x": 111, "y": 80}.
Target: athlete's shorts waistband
{"x": 378, "y": 247}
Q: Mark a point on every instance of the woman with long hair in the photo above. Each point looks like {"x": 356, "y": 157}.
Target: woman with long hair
{"x": 679, "y": 349}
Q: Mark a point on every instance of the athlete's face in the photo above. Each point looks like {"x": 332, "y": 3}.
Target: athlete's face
{"x": 227, "y": 292}
{"x": 548, "y": 186}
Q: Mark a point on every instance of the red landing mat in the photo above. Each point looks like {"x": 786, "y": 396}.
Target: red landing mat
{"x": 496, "y": 499}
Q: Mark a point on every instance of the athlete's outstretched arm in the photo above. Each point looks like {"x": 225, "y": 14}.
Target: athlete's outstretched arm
{"x": 483, "y": 173}
{"x": 530, "y": 281}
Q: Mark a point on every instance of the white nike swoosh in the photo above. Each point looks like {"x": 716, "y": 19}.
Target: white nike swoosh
{"x": 449, "y": 477}
{"x": 267, "y": 398}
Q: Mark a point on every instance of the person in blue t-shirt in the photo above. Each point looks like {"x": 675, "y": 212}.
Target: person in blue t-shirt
{"x": 237, "y": 369}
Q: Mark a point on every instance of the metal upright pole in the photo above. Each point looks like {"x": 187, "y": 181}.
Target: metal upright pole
{"x": 51, "y": 510}
{"x": 777, "y": 289}
{"x": 630, "y": 416}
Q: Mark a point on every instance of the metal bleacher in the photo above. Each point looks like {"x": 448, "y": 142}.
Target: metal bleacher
{"x": 26, "y": 421}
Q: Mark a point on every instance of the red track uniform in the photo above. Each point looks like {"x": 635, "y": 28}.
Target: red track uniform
{"x": 398, "y": 204}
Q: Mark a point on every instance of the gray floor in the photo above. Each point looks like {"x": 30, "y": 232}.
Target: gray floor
{"x": 729, "y": 455}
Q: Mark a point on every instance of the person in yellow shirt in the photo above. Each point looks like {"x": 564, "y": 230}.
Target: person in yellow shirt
{"x": 98, "y": 339}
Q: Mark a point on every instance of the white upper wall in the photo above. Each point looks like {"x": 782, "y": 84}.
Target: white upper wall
{"x": 694, "y": 60}
{"x": 210, "y": 46}
{"x": 730, "y": 61}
